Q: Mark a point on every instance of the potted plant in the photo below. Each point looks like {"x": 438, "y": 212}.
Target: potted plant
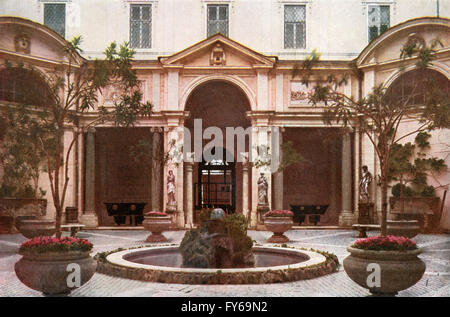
{"x": 413, "y": 197}
{"x": 157, "y": 222}
{"x": 66, "y": 93}
{"x": 55, "y": 265}
{"x": 21, "y": 161}
{"x": 278, "y": 222}
{"x": 393, "y": 258}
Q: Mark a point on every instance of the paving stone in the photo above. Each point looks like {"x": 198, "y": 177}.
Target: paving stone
{"x": 435, "y": 281}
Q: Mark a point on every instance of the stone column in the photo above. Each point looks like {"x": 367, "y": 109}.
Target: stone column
{"x": 346, "y": 216}
{"x": 189, "y": 194}
{"x": 277, "y": 176}
{"x": 89, "y": 216}
{"x": 156, "y": 181}
{"x": 245, "y": 191}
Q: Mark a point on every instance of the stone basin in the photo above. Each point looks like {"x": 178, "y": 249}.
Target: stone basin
{"x": 163, "y": 264}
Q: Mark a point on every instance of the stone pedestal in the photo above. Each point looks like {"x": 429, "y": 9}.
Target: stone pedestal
{"x": 89, "y": 219}
{"x": 189, "y": 195}
{"x": 365, "y": 213}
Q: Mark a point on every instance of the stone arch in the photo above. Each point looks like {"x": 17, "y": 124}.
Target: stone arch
{"x": 236, "y": 81}
{"x": 26, "y": 86}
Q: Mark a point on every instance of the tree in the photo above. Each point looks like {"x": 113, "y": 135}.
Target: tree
{"x": 410, "y": 166}
{"x": 73, "y": 90}
{"x": 380, "y": 113}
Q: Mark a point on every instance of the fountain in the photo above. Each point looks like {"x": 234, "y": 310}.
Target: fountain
{"x": 219, "y": 252}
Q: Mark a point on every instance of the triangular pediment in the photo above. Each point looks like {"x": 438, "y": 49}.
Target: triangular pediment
{"x": 218, "y": 51}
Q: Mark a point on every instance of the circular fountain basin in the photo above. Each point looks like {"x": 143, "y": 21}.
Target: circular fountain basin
{"x": 163, "y": 264}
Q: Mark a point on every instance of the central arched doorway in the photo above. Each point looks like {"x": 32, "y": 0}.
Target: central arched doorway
{"x": 218, "y": 182}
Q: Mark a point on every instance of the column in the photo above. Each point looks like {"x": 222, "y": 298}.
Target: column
{"x": 277, "y": 176}
{"x": 346, "y": 216}
{"x": 156, "y": 181}
{"x": 189, "y": 195}
{"x": 245, "y": 189}
{"x": 89, "y": 216}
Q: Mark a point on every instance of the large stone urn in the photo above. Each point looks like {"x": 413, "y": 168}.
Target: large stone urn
{"x": 398, "y": 270}
{"x": 157, "y": 224}
{"x": 278, "y": 225}
{"x": 55, "y": 273}
{"x": 402, "y": 228}
{"x": 37, "y": 227}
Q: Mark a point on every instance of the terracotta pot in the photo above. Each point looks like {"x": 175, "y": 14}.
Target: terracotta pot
{"x": 54, "y": 273}
{"x": 37, "y": 227}
{"x": 399, "y": 270}
{"x": 278, "y": 225}
{"x": 403, "y": 228}
{"x": 6, "y": 224}
{"x": 157, "y": 225}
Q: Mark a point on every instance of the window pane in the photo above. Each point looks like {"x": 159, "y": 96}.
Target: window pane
{"x": 135, "y": 34}
{"x": 145, "y": 13}
{"x": 135, "y": 13}
{"x": 223, "y": 13}
{"x": 217, "y": 19}
{"x": 212, "y": 15}
{"x": 289, "y": 35}
{"x": 294, "y": 26}
{"x": 55, "y": 17}
{"x": 384, "y": 15}
{"x": 146, "y": 34}
{"x": 294, "y": 13}
{"x": 141, "y": 26}
{"x": 378, "y": 20}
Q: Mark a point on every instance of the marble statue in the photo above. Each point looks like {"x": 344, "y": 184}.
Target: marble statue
{"x": 364, "y": 183}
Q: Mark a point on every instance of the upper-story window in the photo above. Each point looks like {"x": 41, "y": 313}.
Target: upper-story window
{"x": 379, "y": 20}
{"x": 55, "y": 17}
{"x": 294, "y": 26}
{"x": 141, "y": 25}
{"x": 217, "y": 19}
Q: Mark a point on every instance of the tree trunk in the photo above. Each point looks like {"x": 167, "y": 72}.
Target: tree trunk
{"x": 384, "y": 204}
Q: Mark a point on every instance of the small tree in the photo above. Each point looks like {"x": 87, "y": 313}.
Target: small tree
{"x": 410, "y": 166}
{"x": 74, "y": 88}
{"x": 21, "y": 156}
{"x": 380, "y": 113}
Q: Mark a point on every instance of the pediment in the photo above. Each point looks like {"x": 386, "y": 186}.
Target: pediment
{"x": 388, "y": 45}
{"x": 218, "y": 51}
{"x": 27, "y": 39}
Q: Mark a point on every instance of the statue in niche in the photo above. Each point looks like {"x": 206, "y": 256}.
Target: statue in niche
{"x": 217, "y": 56}
{"x": 364, "y": 183}
{"x": 262, "y": 190}
{"x": 22, "y": 43}
{"x": 171, "y": 202}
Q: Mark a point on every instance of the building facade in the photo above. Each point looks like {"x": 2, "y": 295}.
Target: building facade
{"x": 230, "y": 63}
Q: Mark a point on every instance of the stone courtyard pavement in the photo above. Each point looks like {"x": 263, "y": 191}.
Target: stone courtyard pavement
{"x": 435, "y": 282}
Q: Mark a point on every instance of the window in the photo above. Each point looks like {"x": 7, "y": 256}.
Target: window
{"x": 379, "y": 20}
{"x": 217, "y": 19}
{"x": 294, "y": 26}
{"x": 141, "y": 25}
{"x": 55, "y": 17}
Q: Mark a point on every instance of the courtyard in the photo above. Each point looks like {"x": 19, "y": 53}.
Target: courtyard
{"x": 434, "y": 283}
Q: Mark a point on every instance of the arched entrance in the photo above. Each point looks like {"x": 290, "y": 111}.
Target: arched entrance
{"x": 218, "y": 181}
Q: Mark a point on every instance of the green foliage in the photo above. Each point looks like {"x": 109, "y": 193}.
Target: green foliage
{"x": 73, "y": 89}
{"x": 289, "y": 156}
{"x": 408, "y": 164}
{"x": 197, "y": 247}
{"x": 22, "y": 156}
